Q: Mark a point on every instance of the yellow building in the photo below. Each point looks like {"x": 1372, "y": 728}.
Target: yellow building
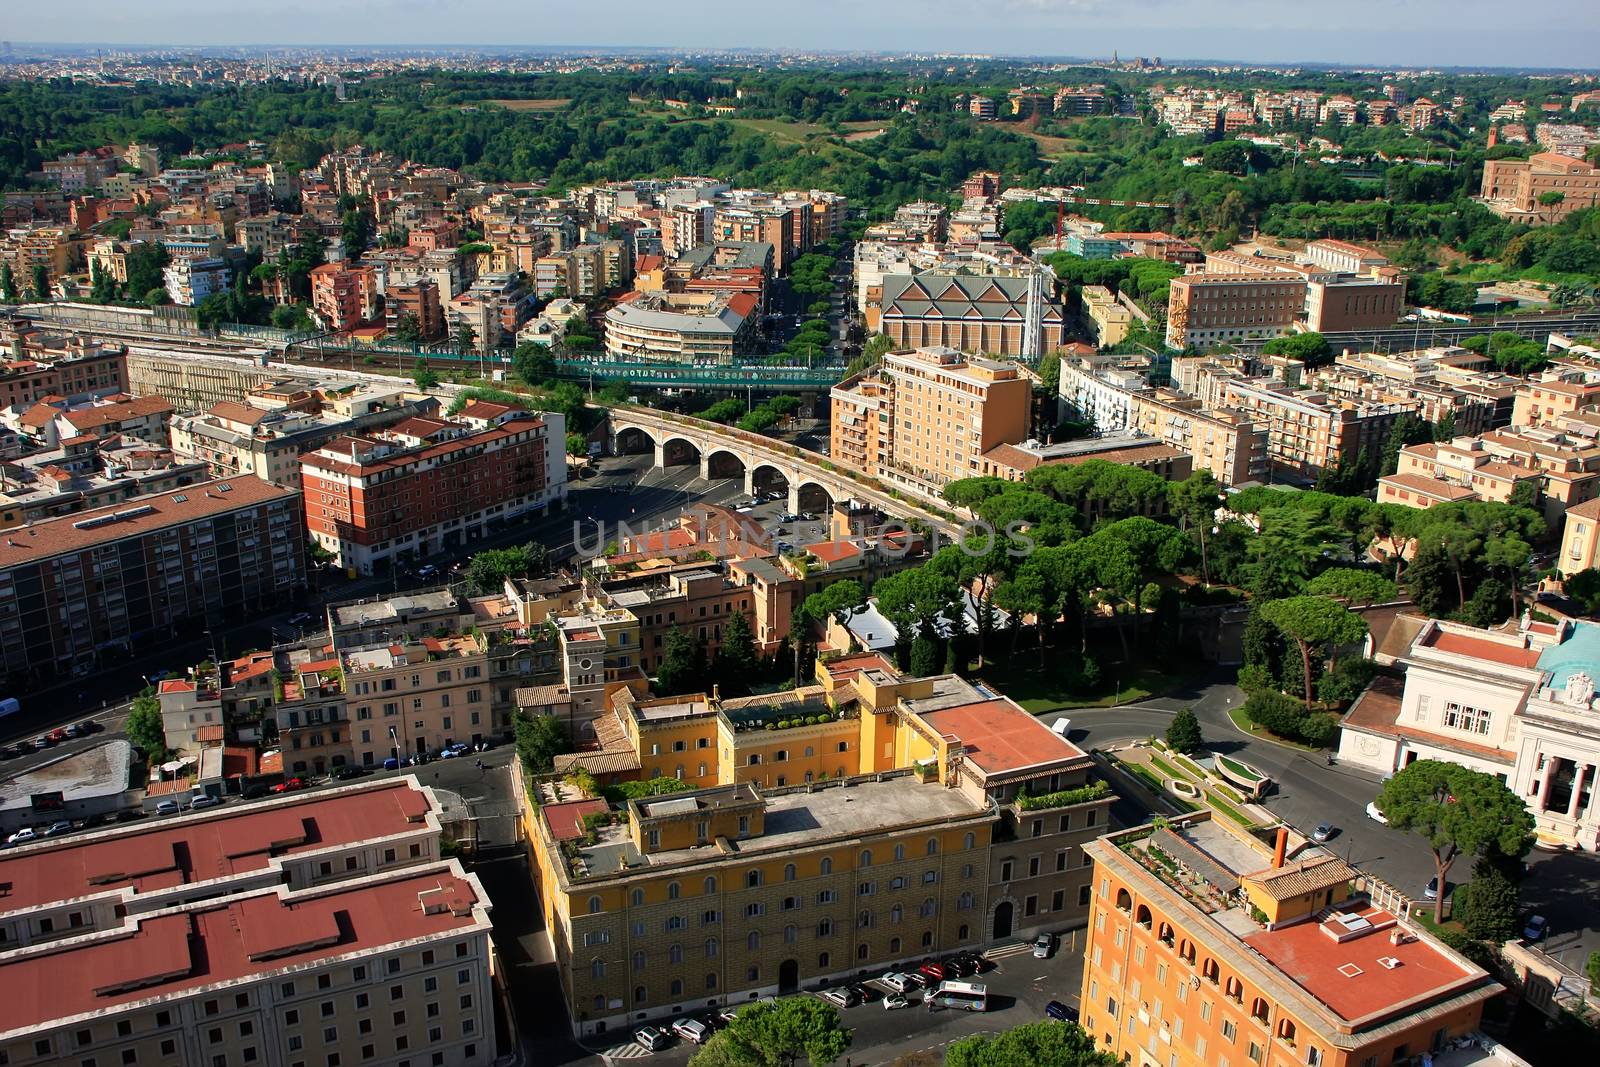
{"x": 1110, "y": 319}
{"x": 1580, "y": 538}
{"x": 829, "y": 832}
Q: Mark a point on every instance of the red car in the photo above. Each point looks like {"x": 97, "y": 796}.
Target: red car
{"x": 58, "y": 735}
{"x": 289, "y": 785}
{"x": 933, "y": 969}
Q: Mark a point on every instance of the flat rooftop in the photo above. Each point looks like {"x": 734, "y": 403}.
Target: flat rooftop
{"x": 1000, "y": 737}
{"x": 205, "y": 944}
{"x": 229, "y": 841}
{"x": 395, "y": 608}
{"x": 1352, "y": 964}
{"x": 98, "y": 771}
{"x": 1510, "y": 654}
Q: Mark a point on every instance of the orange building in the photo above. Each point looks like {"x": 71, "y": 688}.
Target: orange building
{"x": 1209, "y": 947}
{"x": 344, "y": 297}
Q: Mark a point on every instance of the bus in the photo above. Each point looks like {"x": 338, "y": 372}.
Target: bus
{"x": 968, "y": 996}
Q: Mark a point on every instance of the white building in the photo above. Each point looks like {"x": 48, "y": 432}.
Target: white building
{"x": 190, "y": 280}
{"x": 1101, "y": 394}
{"x": 1518, "y": 704}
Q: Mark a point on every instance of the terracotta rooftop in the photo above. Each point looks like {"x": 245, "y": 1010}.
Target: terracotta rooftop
{"x": 198, "y": 848}
{"x": 1349, "y": 975}
{"x": 1305, "y": 876}
{"x": 1000, "y": 737}
{"x": 209, "y": 944}
{"x": 566, "y": 820}
{"x": 1434, "y": 487}
{"x": 1511, "y": 655}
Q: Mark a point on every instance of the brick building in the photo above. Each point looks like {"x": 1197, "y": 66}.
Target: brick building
{"x": 426, "y": 483}
{"x": 344, "y": 297}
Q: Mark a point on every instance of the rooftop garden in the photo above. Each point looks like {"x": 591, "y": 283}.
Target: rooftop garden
{"x": 1062, "y": 798}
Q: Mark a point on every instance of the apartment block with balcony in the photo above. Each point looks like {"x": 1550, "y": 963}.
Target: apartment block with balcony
{"x": 944, "y": 410}
{"x": 1209, "y": 945}
{"x": 73, "y": 587}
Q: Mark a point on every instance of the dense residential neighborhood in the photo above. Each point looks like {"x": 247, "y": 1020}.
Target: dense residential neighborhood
{"x": 538, "y": 556}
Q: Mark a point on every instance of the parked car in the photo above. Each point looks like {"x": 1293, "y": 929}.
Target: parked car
{"x": 289, "y": 785}
{"x": 169, "y": 807}
{"x": 843, "y": 996}
{"x": 651, "y": 1038}
{"x": 932, "y": 969}
{"x": 42, "y": 743}
{"x": 1043, "y": 945}
{"x": 75, "y": 731}
{"x": 1431, "y": 891}
{"x": 10, "y": 751}
{"x": 254, "y": 791}
{"x": 59, "y": 827}
{"x": 346, "y": 771}
{"x": 895, "y": 1000}
{"x": 1065, "y": 1013}
{"x": 974, "y": 960}
{"x": 305, "y": 618}
{"x": 1375, "y": 813}
{"x": 1324, "y": 830}
{"x": 26, "y": 834}
{"x": 391, "y": 764}
{"x": 897, "y": 981}
{"x": 58, "y": 735}
{"x": 89, "y": 726}
{"x": 427, "y": 572}
{"x": 204, "y": 800}
{"x": 863, "y": 993}
{"x": 692, "y": 1030}
{"x": 1536, "y": 928}
{"x": 727, "y": 1015}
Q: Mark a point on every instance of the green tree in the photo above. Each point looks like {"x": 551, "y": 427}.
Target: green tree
{"x": 737, "y": 663}
{"x": 144, "y": 726}
{"x": 1353, "y": 585}
{"x": 489, "y": 569}
{"x": 408, "y": 330}
{"x": 540, "y": 739}
{"x": 1183, "y": 732}
{"x": 355, "y": 232}
{"x": 533, "y": 363}
{"x": 1040, "y": 1044}
{"x": 1314, "y": 622}
{"x": 683, "y": 663}
{"x": 8, "y": 284}
{"x": 1194, "y": 501}
{"x": 1457, "y": 811}
{"x": 1312, "y": 349}
{"x": 1487, "y": 906}
{"x": 577, "y": 444}
{"x": 424, "y": 378}
{"x": 925, "y": 656}
{"x": 1584, "y": 587}
{"x": 465, "y": 338}
{"x": 778, "y": 1034}
{"x": 1591, "y": 967}
{"x": 41, "y": 282}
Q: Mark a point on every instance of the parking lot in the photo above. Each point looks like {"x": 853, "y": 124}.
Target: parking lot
{"x": 1018, "y": 985}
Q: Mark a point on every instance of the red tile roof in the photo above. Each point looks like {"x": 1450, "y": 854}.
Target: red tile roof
{"x": 1000, "y": 737}
{"x": 240, "y": 938}
{"x": 199, "y": 848}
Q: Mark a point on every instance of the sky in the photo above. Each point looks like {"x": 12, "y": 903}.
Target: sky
{"x": 1412, "y": 33}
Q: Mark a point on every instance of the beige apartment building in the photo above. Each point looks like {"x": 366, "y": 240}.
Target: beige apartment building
{"x": 1564, "y": 467}
{"x": 944, "y": 411}
{"x": 1204, "y": 309}
{"x": 303, "y": 931}
{"x": 1558, "y": 392}
{"x": 1517, "y": 189}
{"x": 1580, "y": 538}
{"x": 834, "y": 831}
{"x": 861, "y": 433}
{"x": 1308, "y": 432}
{"x": 1109, "y": 319}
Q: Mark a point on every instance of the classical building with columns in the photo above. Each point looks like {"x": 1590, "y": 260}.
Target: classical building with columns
{"x": 1518, "y": 703}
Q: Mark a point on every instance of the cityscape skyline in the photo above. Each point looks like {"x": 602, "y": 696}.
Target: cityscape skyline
{"x": 1252, "y": 32}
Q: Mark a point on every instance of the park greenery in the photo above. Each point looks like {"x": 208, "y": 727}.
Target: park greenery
{"x": 777, "y": 1034}
{"x": 1039, "y": 1044}
{"x": 144, "y": 726}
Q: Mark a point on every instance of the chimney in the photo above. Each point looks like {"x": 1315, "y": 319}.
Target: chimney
{"x": 1282, "y": 847}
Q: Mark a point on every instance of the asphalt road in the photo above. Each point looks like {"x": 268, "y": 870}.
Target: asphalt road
{"x": 1560, "y": 886}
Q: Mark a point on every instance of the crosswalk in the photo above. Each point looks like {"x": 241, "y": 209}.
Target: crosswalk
{"x": 628, "y": 1050}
